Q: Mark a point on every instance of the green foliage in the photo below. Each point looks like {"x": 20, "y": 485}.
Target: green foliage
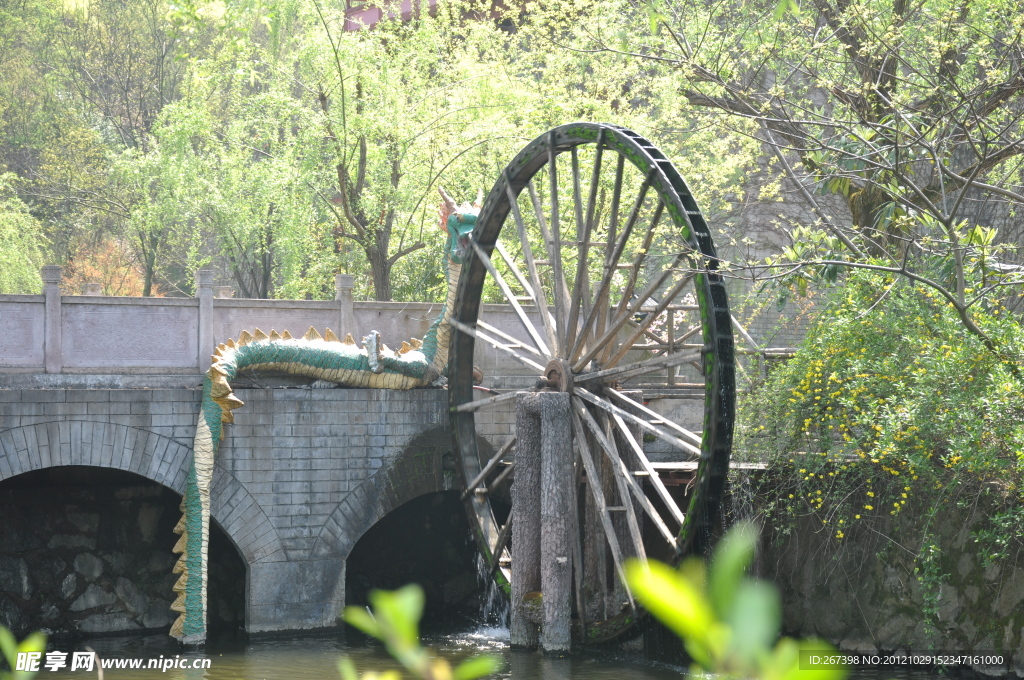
{"x": 728, "y": 621}
{"x": 216, "y": 149}
{"x": 395, "y": 622}
{"x": 10, "y": 647}
{"x": 889, "y": 399}
{"x": 22, "y": 245}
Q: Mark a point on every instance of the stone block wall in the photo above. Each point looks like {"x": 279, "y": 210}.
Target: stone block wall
{"x": 301, "y": 475}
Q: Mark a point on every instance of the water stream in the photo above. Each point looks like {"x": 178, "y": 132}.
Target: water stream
{"x": 315, "y": 657}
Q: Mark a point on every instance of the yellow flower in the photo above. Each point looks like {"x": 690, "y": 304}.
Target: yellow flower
{"x": 869, "y": 507}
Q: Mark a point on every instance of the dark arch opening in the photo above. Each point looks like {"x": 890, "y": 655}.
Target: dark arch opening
{"x": 426, "y": 541}
{"x": 88, "y": 551}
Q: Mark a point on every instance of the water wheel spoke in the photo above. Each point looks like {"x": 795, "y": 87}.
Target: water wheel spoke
{"x": 652, "y": 474}
{"x": 496, "y": 344}
{"x": 612, "y": 331}
{"x": 623, "y": 477}
{"x": 648, "y": 427}
{"x": 554, "y": 261}
{"x": 581, "y": 284}
{"x": 649, "y": 319}
{"x": 611, "y": 262}
{"x": 597, "y": 495}
{"x": 531, "y": 265}
{"x": 638, "y": 261}
{"x": 654, "y": 415}
{"x": 516, "y": 342}
{"x": 598, "y": 313}
{"x": 491, "y": 464}
{"x": 478, "y": 404}
{"x": 502, "y": 476}
{"x": 628, "y": 317}
{"x": 630, "y": 481}
{"x": 555, "y": 248}
{"x": 500, "y": 280}
{"x": 514, "y": 268}
{"x": 639, "y": 368}
{"x": 501, "y": 543}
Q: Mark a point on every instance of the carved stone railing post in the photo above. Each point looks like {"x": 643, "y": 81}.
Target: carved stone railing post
{"x": 204, "y": 293}
{"x": 53, "y": 352}
{"x": 343, "y": 284}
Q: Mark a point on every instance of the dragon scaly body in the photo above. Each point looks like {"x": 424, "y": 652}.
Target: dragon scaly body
{"x": 416, "y": 364}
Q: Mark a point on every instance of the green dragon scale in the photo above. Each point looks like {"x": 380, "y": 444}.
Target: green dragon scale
{"x": 416, "y": 364}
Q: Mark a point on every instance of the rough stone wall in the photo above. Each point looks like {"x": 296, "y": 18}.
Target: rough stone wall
{"x": 863, "y": 593}
{"x": 94, "y": 566}
{"x": 87, "y": 550}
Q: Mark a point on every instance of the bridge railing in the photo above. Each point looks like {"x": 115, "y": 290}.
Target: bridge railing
{"x": 93, "y": 334}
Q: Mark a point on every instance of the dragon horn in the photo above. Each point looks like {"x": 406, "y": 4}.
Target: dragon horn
{"x": 448, "y": 208}
{"x": 416, "y": 343}
{"x": 329, "y": 336}
{"x": 349, "y": 340}
{"x": 259, "y": 335}
{"x": 274, "y": 335}
{"x": 285, "y": 335}
{"x": 244, "y": 338}
{"x": 449, "y": 202}
{"x": 404, "y": 348}
{"x": 311, "y": 334}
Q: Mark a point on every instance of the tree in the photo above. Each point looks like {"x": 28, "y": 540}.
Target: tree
{"x": 21, "y": 242}
{"x": 911, "y": 113}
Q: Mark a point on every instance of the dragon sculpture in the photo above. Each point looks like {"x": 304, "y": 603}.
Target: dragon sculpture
{"x": 416, "y": 364}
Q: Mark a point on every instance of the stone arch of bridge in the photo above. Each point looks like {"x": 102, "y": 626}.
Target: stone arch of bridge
{"x": 424, "y": 466}
{"x": 157, "y": 458}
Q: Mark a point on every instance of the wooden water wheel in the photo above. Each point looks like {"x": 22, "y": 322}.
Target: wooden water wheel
{"x": 595, "y": 241}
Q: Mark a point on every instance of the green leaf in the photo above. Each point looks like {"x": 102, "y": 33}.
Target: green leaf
{"x": 674, "y": 599}
{"x": 754, "y": 619}
{"x": 786, "y": 6}
{"x": 400, "y": 611}
{"x": 477, "y": 667}
{"x": 9, "y": 646}
{"x": 654, "y": 17}
{"x": 363, "y": 620}
{"x": 732, "y": 557}
{"x": 347, "y": 669}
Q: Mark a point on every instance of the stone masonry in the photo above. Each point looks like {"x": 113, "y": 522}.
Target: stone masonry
{"x": 302, "y": 474}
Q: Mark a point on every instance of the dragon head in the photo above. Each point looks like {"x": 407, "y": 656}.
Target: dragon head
{"x": 458, "y": 223}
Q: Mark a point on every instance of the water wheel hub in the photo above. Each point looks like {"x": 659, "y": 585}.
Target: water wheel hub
{"x": 558, "y": 375}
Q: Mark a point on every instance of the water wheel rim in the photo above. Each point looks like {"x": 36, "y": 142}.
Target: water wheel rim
{"x": 716, "y": 330}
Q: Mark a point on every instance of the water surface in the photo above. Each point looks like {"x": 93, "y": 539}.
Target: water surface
{"x": 306, "y": 656}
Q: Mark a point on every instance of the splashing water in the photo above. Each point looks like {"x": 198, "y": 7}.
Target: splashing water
{"x": 494, "y": 606}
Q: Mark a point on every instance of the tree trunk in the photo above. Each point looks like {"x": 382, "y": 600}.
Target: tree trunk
{"x": 380, "y": 269}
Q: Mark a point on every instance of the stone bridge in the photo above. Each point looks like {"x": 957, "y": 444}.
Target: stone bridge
{"x": 99, "y": 399}
{"x": 301, "y": 475}
{"x": 113, "y": 383}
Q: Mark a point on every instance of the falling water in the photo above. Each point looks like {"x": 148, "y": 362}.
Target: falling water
{"x": 494, "y": 606}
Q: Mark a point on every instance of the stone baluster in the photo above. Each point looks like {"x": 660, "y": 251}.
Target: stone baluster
{"x": 343, "y": 284}
{"x": 53, "y": 352}
{"x": 204, "y": 293}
